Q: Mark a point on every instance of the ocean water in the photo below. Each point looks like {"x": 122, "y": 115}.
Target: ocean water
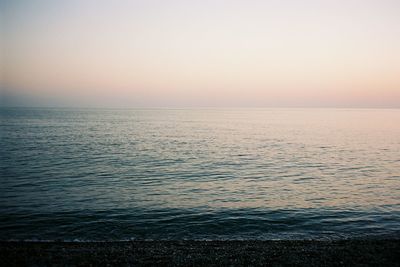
{"x": 199, "y": 174}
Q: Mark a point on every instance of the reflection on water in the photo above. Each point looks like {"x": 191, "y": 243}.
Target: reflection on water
{"x": 239, "y": 173}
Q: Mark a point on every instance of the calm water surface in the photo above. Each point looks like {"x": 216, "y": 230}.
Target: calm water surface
{"x": 199, "y": 174}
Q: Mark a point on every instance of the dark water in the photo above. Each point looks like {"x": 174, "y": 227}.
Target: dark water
{"x": 199, "y": 174}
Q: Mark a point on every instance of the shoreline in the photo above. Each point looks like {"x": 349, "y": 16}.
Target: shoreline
{"x": 368, "y": 252}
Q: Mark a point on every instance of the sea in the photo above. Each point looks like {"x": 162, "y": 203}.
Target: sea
{"x": 199, "y": 174}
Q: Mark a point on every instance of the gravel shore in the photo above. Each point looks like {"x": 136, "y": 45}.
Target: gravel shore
{"x": 202, "y": 253}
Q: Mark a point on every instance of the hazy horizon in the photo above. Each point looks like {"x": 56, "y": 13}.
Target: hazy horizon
{"x": 176, "y": 54}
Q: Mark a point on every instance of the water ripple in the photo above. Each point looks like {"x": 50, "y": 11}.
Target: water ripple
{"x": 199, "y": 174}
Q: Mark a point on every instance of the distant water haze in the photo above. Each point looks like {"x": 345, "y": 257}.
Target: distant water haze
{"x": 199, "y": 174}
{"x": 200, "y": 53}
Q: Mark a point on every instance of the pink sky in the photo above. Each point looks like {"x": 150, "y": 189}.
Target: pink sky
{"x": 203, "y": 53}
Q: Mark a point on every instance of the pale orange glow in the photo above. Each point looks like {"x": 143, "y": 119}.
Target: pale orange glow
{"x": 247, "y": 53}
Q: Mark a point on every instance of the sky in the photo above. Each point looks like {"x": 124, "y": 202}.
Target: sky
{"x": 210, "y": 53}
